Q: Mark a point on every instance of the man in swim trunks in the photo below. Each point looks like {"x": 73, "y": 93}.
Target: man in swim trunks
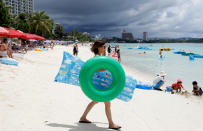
{"x": 5, "y": 50}
{"x": 177, "y": 87}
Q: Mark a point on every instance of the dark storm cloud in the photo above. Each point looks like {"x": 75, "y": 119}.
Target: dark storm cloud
{"x": 165, "y": 18}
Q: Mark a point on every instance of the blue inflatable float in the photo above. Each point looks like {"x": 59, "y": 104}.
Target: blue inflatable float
{"x": 44, "y": 49}
{"x": 9, "y": 61}
{"x": 130, "y": 48}
{"x": 191, "y": 55}
{"x": 70, "y": 70}
{"x": 191, "y": 58}
{"x": 197, "y": 56}
{"x": 144, "y": 48}
{"x": 179, "y": 52}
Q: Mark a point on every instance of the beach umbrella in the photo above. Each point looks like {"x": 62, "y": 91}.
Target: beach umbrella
{"x": 3, "y": 31}
{"x": 27, "y": 36}
{"x": 6, "y": 32}
{"x": 39, "y": 37}
{"x": 32, "y": 36}
{"x": 12, "y": 33}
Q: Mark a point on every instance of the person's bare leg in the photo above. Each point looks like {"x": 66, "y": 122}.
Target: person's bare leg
{"x": 109, "y": 116}
{"x": 119, "y": 60}
{"x": 9, "y": 53}
{"x": 87, "y": 110}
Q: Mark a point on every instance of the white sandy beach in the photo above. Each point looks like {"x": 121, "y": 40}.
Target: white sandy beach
{"x": 30, "y": 100}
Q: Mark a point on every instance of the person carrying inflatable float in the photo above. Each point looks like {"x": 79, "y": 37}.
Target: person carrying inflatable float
{"x": 101, "y": 79}
{"x": 99, "y": 50}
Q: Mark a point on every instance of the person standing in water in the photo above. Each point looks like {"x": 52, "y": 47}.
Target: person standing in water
{"x": 160, "y": 53}
{"x": 98, "y": 49}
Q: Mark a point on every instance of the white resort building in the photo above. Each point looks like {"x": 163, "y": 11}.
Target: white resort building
{"x": 20, "y": 6}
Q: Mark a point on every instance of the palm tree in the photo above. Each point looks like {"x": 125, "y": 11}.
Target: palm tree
{"x": 42, "y": 24}
{"x": 23, "y": 22}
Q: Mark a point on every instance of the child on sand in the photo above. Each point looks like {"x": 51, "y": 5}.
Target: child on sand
{"x": 177, "y": 87}
{"x": 196, "y": 89}
{"x": 98, "y": 49}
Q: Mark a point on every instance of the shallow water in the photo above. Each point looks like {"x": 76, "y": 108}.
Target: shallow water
{"x": 175, "y": 65}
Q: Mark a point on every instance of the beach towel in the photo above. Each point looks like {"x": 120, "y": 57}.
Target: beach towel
{"x": 9, "y": 61}
{"x": 70, "y": 70}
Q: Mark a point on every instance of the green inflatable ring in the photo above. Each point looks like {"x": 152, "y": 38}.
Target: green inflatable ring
{"x": 90, "y": 67}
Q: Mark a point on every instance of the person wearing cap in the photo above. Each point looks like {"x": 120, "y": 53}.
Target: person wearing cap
{"x": 196, "y": 89}
{"x": 159, "y": 81}
{"x": 177, "y": 87}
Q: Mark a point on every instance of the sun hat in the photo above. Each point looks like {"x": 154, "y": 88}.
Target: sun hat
{"x": 179, "y": 80}
{"x": 162, "y": 73}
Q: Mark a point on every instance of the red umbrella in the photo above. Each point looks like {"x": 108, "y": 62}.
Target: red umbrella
{"x": 40, "y": 37}
{"x": 12, "y": 33}
{"x": 6, "y": 32}
{"x": 27, "y": 36}
{"x": 3, "y": 31}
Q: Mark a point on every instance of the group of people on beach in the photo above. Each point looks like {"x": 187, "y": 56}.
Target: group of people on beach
{"x": 176, "y": 87}
{"x": 20, "y": 46}
{"x": 114, "y": 54}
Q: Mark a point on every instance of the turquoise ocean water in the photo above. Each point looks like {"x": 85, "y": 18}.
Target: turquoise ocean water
{"x": 175, "y": 65}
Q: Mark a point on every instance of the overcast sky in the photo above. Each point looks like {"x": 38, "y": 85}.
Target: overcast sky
{"x": 161, "y": 18}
